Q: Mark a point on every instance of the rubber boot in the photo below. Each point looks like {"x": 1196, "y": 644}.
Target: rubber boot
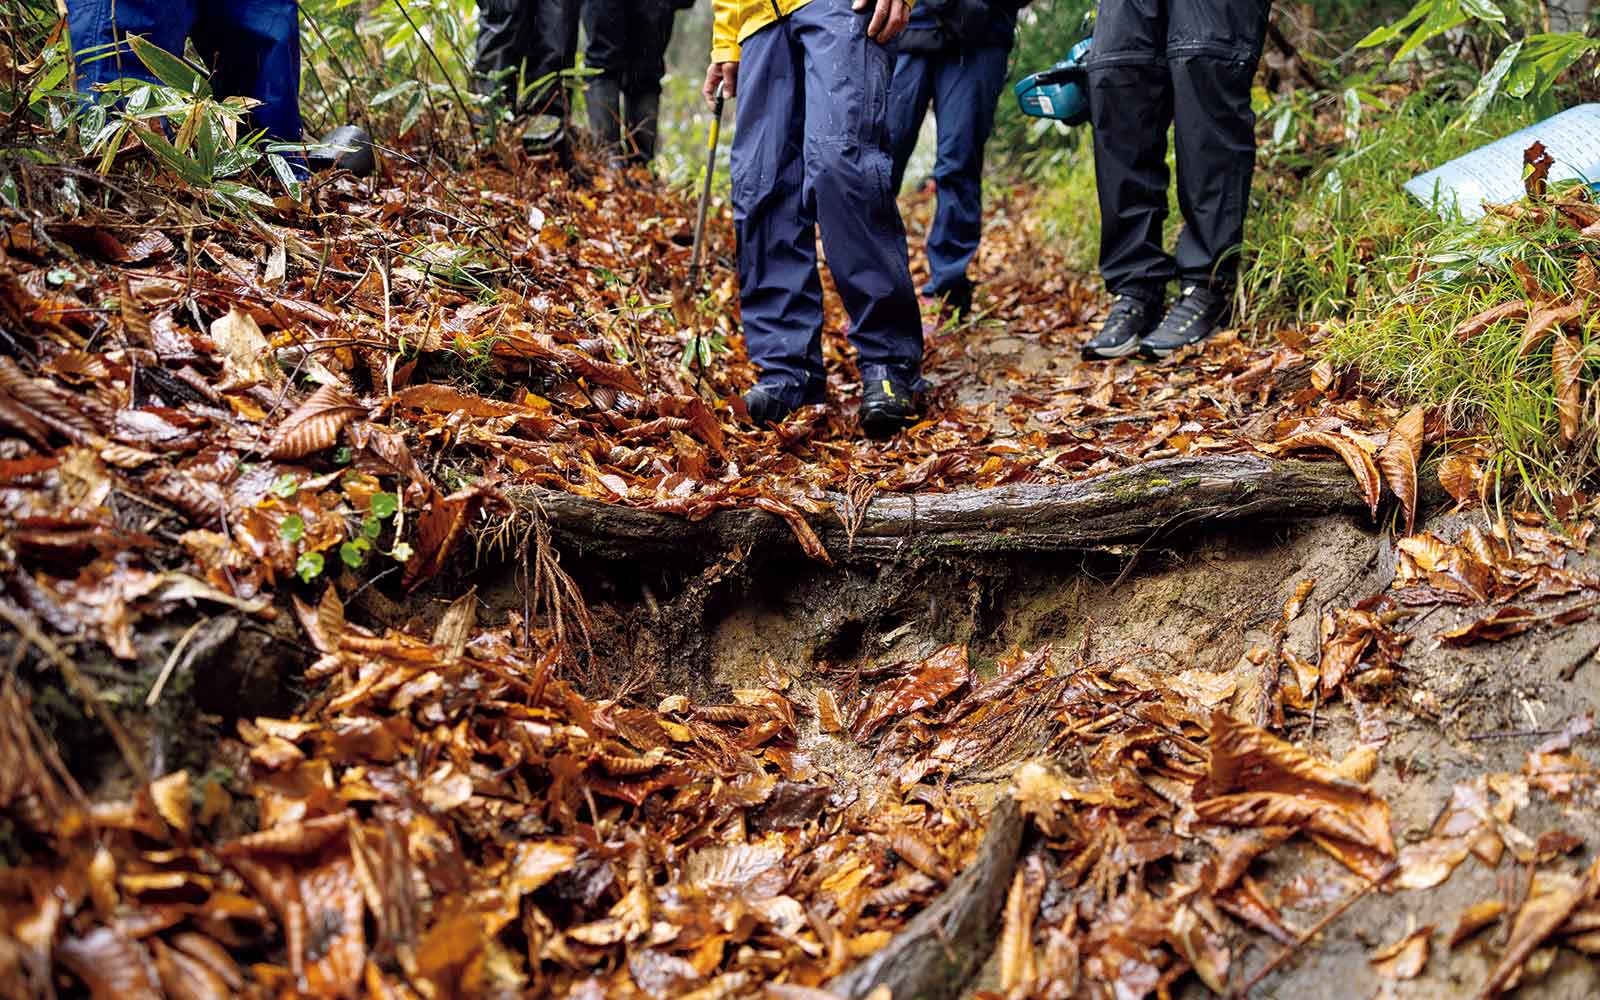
{"x": 605, "y": 116}
{"x": 643, "y": 114}
{"x": 347, "y": 147}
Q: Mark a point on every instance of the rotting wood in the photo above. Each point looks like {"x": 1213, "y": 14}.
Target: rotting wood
{"x": 935, "y": 954}
{"x": 1135, "y": 504}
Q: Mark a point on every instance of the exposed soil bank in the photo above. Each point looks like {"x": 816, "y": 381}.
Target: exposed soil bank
{"x": 1198, "y": 605}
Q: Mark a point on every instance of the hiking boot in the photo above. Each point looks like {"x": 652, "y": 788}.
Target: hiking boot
{"x": 771, "y": 402}
{"x": 888, "y": 401}
{"x": 1132, "y": 317}
{"x": 1199, "y": 312}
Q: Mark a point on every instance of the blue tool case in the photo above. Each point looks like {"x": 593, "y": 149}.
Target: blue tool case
{"x": 1060, "y": 92}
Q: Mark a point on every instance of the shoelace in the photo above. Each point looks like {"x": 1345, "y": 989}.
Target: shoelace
{"x": 1192, "y": 304}
{"x": 1123, "y": 307}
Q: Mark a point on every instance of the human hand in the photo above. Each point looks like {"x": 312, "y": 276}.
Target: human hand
{"x": 725, "y": 73}
{"x": 888, "y": 19}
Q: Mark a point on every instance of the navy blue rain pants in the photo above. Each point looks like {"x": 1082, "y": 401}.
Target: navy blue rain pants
{"x": 962, "y": 84}
{"x": 812, "y": 147}
{"x": 251, "y": 46}
{"x": 1188, "y": 65}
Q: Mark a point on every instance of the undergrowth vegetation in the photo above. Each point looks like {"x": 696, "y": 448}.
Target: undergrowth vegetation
{"x": 1348, "y": 112}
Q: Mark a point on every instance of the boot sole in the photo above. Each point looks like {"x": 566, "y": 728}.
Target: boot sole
{"x": 879, "y": 425}
{"x": 1112, "y": 353}
{"x": 1162, "y": 353}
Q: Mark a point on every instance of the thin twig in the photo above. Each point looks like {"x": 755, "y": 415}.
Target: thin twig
{"x": 171, "y": 664}
{"x": 1319, "y": 927}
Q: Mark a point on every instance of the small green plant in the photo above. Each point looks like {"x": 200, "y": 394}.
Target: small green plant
{"x": 207, "y": 146}
{"x": 382, "y": 509}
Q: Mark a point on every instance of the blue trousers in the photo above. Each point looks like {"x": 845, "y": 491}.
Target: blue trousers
{"x": 812, "y": 147}
{"x": 962, "y": 85}
{"x": 252, "y": 47}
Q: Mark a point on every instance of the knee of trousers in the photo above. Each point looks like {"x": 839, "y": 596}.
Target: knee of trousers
{"x": 1144, "y": 76}
{"x": 850, "y": 177}
{"x": 1219, "y": 84}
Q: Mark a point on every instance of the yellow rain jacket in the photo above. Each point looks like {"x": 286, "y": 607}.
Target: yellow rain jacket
{"x": 735, "y": 20}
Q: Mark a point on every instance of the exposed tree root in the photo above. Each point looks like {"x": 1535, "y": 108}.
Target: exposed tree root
{"x": 1129, "y": 505}
{"x": 945, "y": 943}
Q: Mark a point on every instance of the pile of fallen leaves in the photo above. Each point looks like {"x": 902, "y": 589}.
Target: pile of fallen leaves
{"x": 447, "y": 818}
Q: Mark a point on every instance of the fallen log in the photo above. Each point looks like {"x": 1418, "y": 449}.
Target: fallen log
{"x": 932, "y": 958}
{"x": 1136, "y": 504}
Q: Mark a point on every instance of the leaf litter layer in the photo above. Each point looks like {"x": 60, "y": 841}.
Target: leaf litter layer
{"x": 256, "y": 413}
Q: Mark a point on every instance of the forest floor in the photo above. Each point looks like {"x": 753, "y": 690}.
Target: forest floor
{"x": 392, "y": 612}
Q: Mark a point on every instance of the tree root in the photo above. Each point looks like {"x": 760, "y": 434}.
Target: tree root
{"x": 932, "y": 958}
{"x": 1137, "y": 504}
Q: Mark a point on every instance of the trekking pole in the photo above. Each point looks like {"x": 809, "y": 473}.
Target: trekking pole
{"x": 705, "y": 192}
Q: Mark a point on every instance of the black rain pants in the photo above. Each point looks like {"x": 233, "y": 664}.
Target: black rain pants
{"x": 532, "y": 39}
{"x": 1187, "y": 64}
{"x": 628, "y": 46}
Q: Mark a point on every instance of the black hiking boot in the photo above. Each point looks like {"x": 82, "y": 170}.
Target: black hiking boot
{"x": 771, "y": 402}
{"x": 1199, "y": 312}
{"x": 888, "y": 401}
{"x": 347, "y": 147}
{"x": 1132, "y": 317}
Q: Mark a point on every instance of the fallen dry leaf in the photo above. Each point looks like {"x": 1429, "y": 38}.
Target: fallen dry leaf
{"x": 1354, "y": 456}
{"x": 1406, "y": 958}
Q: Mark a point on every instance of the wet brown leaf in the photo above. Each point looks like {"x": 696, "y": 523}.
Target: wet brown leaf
{"x": 1548, "y": 906}
{"x": 1544, "y": 321}
{"x": 1398, "y": 460}
{"x": 923, "y": 684}
{"x": 1461, "y": 478}
{"x": 829, "y": 720}
{"x": 315, "y": 424}
{"x": 1256, "y": 779}
{"x": 1537, "y": 162}
{"x": 1475, "y": 918}
{"x": 1502, "y": 623}
{"x": 1566, "y": 365}
{"x": 1017, "y": 966}
{"x": 1504, "y": 312}
{"x": 1297, "y": 601}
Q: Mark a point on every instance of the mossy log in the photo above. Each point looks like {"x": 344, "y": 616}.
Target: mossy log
{"x": 937, "y": 952}
{"x": 1136, "y": 504}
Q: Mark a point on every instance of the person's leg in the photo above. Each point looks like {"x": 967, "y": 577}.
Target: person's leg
{"x": 506, "y": 32}
{"x": 848, "y": 173}
{"x": 253, "y": 49}
{"x": 1130, "y": 102}
{"x": 606, "y": 23}
{"x": 642, "y": 86}
{"x": 1213, "y": 48}
{"x": 966, "y": 87}
{"x": 553, "y": 48}
{"x": 910, "y": 93}
{"x": 96, "y": 24}
{"x": 780, "y": 292}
